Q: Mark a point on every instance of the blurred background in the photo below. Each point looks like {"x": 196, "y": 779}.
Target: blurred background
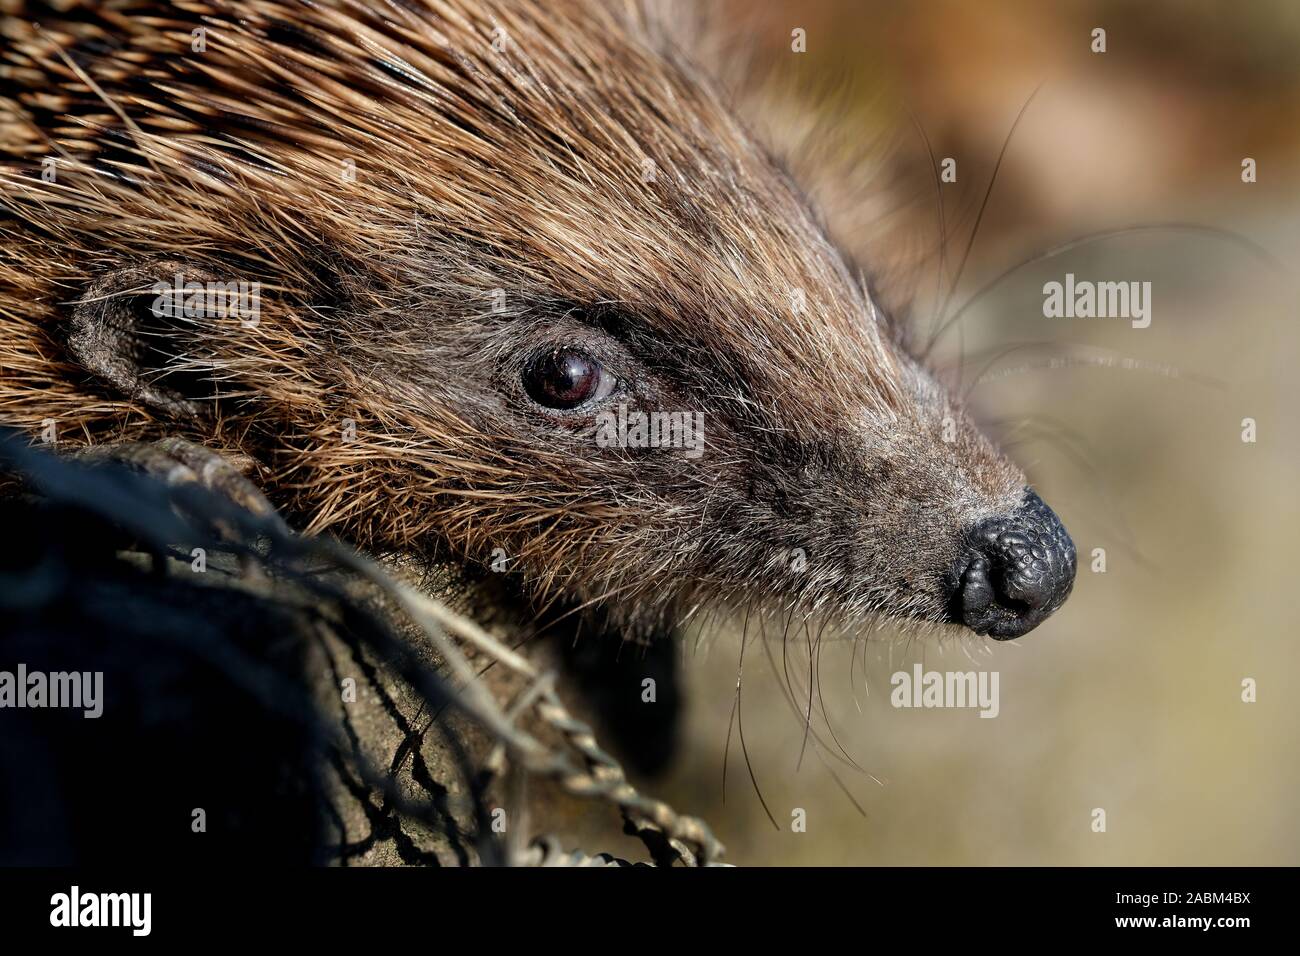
{"x": 1129, "y": 699}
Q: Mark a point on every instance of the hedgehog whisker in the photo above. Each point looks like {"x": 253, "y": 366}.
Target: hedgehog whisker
{"x": 979, "y": 218}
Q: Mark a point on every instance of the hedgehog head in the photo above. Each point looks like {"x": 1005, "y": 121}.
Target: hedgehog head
{"x": 500, "y": 279}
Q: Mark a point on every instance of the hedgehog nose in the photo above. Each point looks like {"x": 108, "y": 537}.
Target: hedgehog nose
{"x": 1019, "y": 569}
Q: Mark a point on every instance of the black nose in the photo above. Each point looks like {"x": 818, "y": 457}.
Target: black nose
{"x": 1019, "y": 569}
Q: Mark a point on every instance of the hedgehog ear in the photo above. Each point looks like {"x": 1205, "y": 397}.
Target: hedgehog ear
{"x": 130, "y": 331}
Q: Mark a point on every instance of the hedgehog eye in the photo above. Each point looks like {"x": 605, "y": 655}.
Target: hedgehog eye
{"x": 565, "y": 378}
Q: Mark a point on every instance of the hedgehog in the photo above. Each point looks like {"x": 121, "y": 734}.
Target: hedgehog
{"x": 410, "y": 269}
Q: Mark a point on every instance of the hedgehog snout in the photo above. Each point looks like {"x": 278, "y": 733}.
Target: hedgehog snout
{"x": 1016, "y": 571}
